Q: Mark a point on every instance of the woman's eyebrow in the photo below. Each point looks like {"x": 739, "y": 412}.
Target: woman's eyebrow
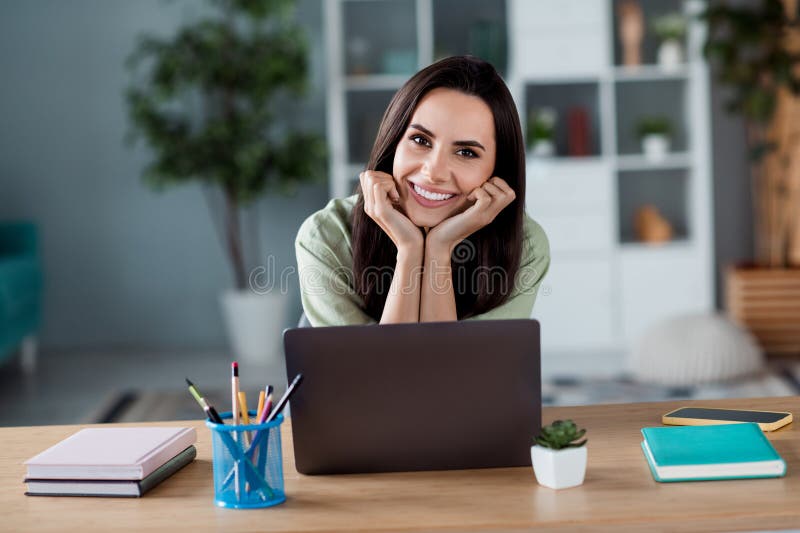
{"x": 429, "y": 133}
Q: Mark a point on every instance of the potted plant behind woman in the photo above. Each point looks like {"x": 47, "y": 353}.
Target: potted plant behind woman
{"x": 558, "y": 456}
{"x": 670, "y": 29}
{"x": 204, "y": 101}
{"x": 654, "y": 134}
{"x": 756, "y": 52}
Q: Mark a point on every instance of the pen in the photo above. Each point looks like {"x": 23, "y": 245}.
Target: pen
{"x": 211, "y": 413}
{"x": 298, "y": 379}
{"x": 235, "y": 414}
{"x": 235, "y": 392}
{"x": 267, "y": 406}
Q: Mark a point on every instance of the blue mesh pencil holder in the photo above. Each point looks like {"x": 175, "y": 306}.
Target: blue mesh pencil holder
{"x": 248, "y": 464}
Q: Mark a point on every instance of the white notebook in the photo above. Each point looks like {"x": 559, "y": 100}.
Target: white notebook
{"x": 111, "y": 453}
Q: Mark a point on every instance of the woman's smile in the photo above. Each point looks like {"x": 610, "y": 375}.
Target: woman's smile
{"x": 427, "y": 198}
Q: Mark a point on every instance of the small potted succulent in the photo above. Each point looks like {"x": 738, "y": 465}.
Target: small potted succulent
{"x": 654, "y": 134}
{"x": 670, "y": 29}
{"x": 541, "y": 132}
{"x": 558, "y": 456}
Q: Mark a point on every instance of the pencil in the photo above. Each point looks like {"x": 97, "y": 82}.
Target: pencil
{"x": 245, "y": 415}
{"x": 261, "y": 397}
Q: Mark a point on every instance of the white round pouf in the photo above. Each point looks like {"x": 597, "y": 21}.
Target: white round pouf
{"x": 694, "y": 349}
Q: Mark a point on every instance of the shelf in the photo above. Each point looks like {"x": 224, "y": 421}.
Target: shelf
{"x": 577, "y": 115}
{"x": 666, "y": 190}
{"x": 650, "y": 98}
{"x": 372, "y": 47}
{"x": 375, "y": 82}
{"x": 640, "y": 162}
{"x": 650, "y": 73}
{"x": 479, "y": 30}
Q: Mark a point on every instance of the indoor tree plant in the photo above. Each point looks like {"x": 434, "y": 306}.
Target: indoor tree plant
{"x": 756, "y": 52}
{"x": 205, "y": 102}
{"x": 559, "y": 456}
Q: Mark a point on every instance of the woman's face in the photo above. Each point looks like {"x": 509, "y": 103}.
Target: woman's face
{"x": 447, "y": 151}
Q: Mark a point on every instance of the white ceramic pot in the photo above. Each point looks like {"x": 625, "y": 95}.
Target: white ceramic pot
{"x": 255, "y": 324}
{"x": 543, "y": 148}
{"x": 655, "y": 147}
{"x": 670, "y": 55}
{"x": 559, "y": 469}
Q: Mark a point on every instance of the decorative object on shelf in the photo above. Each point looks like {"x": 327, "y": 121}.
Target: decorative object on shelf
{"x": 761, "y": 72}
{"x": 695, "y": 349}
{"x": 651, "y": 226}
{"x": 631, "y": 31}
{"x": 578, "y": 132}
{"x": 358, "y": 49}
{"x": 559, "y": 456}
{"x": 399, "y": 61}
{"x": 541, "y": 132}
{"x": 670, "y": 29}
{"x": 654, "y": 134}
{"x": 204, "y": 102}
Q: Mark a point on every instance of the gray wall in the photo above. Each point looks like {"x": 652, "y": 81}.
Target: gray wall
{"x": 124, "y": 266}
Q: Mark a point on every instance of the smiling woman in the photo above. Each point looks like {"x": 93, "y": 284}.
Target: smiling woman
{"x": 437, "y": 230}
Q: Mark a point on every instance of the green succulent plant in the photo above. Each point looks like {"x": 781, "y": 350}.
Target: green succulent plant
{"x": 561, "y": 434}
{"x": 653, "y": 125}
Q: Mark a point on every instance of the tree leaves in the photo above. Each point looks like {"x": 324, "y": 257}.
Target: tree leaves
{"x": 203, "y": 101}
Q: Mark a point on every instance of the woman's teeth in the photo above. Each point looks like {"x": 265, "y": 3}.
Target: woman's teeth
{"x": 431, "y": 195}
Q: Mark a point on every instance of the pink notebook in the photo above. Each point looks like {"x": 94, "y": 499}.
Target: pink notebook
{"x": 111, "y": 453}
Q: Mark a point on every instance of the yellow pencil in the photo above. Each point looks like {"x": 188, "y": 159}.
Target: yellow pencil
{"x": 245, "y": 415}
{"x": 243, "y": 407}
{"x": 261, "y": 397}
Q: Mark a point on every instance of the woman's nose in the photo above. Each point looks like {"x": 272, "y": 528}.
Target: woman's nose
{"x": 435, "y": 166}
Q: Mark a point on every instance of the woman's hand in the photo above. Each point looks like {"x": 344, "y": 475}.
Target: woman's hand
{"x": 490, "y": 198}
{"x": 380, "y": 196}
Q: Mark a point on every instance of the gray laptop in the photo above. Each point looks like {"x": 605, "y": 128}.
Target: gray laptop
{"x": 404, "y": 397}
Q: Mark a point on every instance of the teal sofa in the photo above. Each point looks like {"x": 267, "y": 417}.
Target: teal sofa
{"x": 20, "y": 291}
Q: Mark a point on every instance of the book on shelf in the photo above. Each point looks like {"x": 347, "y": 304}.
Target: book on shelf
{"x": 128, "y": 453}
{"x": 695, "y": 453}
{"x": 134, "y": 488}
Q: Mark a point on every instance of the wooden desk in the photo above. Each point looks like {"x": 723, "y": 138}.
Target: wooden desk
{"x": 619, "y": 493}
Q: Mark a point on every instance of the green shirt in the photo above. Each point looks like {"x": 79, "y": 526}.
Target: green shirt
{"x": 325, "y": 265}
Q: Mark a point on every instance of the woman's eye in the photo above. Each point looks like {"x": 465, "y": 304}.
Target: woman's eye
{"x": 419, "y": 139}
{"x": 466, "y": 152}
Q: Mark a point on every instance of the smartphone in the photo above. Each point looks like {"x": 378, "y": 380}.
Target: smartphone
{"x": 703, "y": 416}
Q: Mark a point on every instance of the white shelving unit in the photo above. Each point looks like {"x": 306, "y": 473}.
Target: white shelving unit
{"x": 604, "y": 289}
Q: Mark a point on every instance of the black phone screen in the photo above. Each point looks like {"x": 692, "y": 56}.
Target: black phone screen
{"x": 727, "y": 414}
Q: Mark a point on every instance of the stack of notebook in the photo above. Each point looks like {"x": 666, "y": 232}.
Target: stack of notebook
{"x": 124, "y": 462}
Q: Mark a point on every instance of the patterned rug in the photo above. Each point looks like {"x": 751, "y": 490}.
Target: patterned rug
{"x": 781, "y": 379}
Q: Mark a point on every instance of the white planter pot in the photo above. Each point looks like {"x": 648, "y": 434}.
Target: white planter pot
{"x": 254, "y": 324}
{"x": 670, "y": 55}
{"x": 543, "y": 148}
{"x": 559, "y": 469}
{"x": 655, "y": 147}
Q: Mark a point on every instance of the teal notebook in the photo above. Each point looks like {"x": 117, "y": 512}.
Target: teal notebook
{"x": 694, "y": 453}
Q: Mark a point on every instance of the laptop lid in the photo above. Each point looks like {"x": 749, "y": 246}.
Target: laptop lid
{"x": 405, "y": 397}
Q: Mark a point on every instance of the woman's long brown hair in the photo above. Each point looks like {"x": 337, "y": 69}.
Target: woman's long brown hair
{"x": 485, "y": 264}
